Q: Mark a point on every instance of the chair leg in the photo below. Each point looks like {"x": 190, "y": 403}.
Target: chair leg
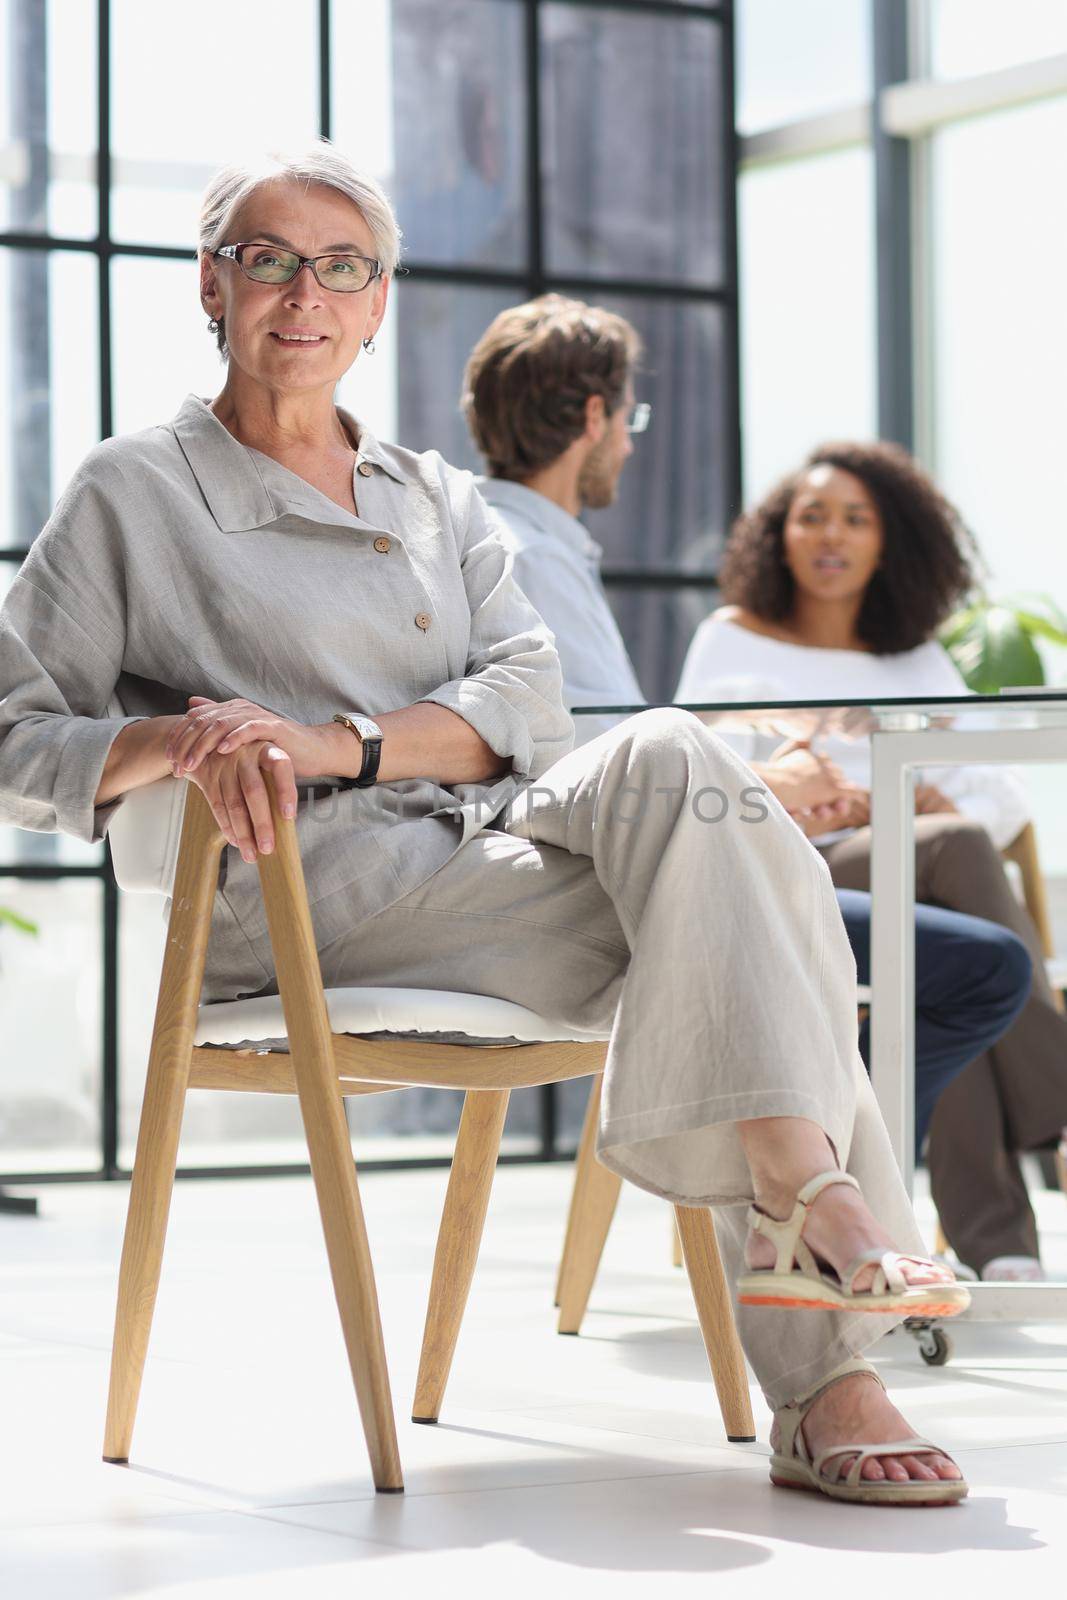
{"x": 704, "y": 1265}
{"x": 676, "y": 1244}
{"x": 337, "y": 1190}
{"x": 585, "y": 1154}
{"x": 469, "y": 1183}
{"x": 142, "y": 1245}
{"x": 161, "y": 1117}
{"x": 329, "y": 1146}
{"x": 596, "y": 1194}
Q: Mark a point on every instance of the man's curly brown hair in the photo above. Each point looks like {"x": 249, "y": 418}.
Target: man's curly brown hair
{"x": 928, "y": 557}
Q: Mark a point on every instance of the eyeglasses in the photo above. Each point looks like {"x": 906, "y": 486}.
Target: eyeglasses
{"x": 639, "y": 417}
{"x": 346, "y": 274}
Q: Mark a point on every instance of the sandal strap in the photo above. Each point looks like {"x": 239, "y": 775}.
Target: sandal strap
{"x": 856, "y": 1366}
{"x": 889, "y": 1279}
{"x": 815, "y": 1186}
{"x": 790, "y": 1417}
{"x": 785, "y": 1235}
{"x": 870, "y": 1452}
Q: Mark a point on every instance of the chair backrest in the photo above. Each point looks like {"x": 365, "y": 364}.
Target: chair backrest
{"x": 1023, "y": 851}
{"x": 145, "y": 832}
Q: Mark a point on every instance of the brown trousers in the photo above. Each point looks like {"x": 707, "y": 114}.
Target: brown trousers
{"x": 1012, "y": 1098}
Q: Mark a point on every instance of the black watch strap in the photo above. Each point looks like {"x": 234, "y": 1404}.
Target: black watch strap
{"x": 370, "y": 736}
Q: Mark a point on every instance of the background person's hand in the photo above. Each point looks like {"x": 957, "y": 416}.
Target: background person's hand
{"x": 811, "y": 824}
{"x": 234, "y": 786}
{"x": 851, "y": 809}
{"x": 854, "y": 809}
{"x": 228, "y": 725}
{"x": 800, "y": 779}
{"x": 928, "y": 799}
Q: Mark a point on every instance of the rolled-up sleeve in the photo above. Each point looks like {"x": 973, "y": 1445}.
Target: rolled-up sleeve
{"x": 62, "y": 635}
{"x": 512, "y": 692}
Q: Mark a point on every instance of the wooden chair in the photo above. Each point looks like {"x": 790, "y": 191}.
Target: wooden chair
{"x": 304, "y": 1042}
{"x": 593, "y": 1200}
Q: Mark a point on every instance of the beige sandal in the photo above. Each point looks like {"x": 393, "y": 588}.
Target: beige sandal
{"x": 797, "y": 1282}
{"x": 792, "y": 1466}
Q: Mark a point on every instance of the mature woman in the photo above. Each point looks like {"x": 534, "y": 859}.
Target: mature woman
{"x": 243, "y": 574}
{"x": 837, "y": 583}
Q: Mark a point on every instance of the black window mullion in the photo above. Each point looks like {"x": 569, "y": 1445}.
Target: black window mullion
{"x": 893, "y": 205}
{"x": 653, "y": 578}
{"x": 109, "y": 1084}
{"x": 535, "y": 263}
{"x": 732, "y": 340}
{"x": 325, "y": 101}
{"x": 109, "y": 1108}
{"x": 103, "y": 225}
{"x": 711, "y": 12}
{"x": 535, "y": 284}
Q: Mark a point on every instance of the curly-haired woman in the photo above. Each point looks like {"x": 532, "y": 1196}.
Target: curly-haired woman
{"x": 837, "y": 583}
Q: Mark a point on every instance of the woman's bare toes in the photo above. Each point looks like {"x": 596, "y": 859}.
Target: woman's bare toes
{"x": 915, "y": 1273}
{"x": 858, "y": 1409}
{"x": 917, "y": 1467}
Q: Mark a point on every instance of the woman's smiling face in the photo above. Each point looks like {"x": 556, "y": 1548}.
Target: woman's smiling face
{"x": 298, "y": 335}
{"x": 833, "y": 535}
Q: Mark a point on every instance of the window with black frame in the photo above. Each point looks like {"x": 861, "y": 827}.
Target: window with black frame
{"x": 527, "y": 145}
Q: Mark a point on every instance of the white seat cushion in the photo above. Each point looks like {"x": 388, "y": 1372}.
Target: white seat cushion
{"x": 145, "y": 832}
{"x": 396, "y": 1011}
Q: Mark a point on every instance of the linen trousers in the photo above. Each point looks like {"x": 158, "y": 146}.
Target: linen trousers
{"x": 610, "y": 897}
{"x": 1013, "y": 1096}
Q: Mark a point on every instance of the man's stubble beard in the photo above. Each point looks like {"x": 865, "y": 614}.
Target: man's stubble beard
{"x": 598, "y": 483}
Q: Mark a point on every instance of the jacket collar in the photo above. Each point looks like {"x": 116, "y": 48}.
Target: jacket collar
{"x": 503, "y": 494}
{"x": 229, "y": 476}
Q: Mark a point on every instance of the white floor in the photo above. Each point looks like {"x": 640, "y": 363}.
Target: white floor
{"x": 574, "y": 1467}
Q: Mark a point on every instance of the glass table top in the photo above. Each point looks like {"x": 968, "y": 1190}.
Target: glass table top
{"x": 853, "y": 719}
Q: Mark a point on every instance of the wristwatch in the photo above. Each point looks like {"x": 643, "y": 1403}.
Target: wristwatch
{"x": 370, "y": 737}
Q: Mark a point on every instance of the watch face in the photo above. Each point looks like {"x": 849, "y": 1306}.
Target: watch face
{"x": 365, "y": 727}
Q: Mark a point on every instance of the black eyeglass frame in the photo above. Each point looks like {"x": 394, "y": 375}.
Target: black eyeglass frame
{"x": 232, "y": 252}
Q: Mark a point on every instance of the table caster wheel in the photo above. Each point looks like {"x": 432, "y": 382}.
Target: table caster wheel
{"x": 935, "y": 1347}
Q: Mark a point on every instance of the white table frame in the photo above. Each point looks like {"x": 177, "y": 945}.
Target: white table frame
{"x": 901, "y": 745}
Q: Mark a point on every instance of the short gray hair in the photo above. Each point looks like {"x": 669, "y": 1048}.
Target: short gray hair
{"x": 320, "y": 162}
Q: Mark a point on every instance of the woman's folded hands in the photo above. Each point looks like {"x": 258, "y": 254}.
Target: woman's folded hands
{"x": 819, "y": 797}
{"x": 227, "y": 747}
{"x": 812, "y": 789}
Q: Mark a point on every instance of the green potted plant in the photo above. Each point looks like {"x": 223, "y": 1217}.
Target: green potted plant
{"x": 994, "y": 643}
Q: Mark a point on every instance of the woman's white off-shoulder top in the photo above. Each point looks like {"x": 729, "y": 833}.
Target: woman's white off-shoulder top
{"x": 727, "y": 661}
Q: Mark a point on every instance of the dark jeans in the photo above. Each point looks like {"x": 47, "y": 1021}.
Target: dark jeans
{"x": 972, "y": 978}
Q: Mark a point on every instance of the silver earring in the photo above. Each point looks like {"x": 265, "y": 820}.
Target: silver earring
{"x": 368, "y": 345}
{"x": 212, "y": 325}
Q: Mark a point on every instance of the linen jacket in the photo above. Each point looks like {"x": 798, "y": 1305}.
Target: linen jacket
{"x": 180, "y": 562}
